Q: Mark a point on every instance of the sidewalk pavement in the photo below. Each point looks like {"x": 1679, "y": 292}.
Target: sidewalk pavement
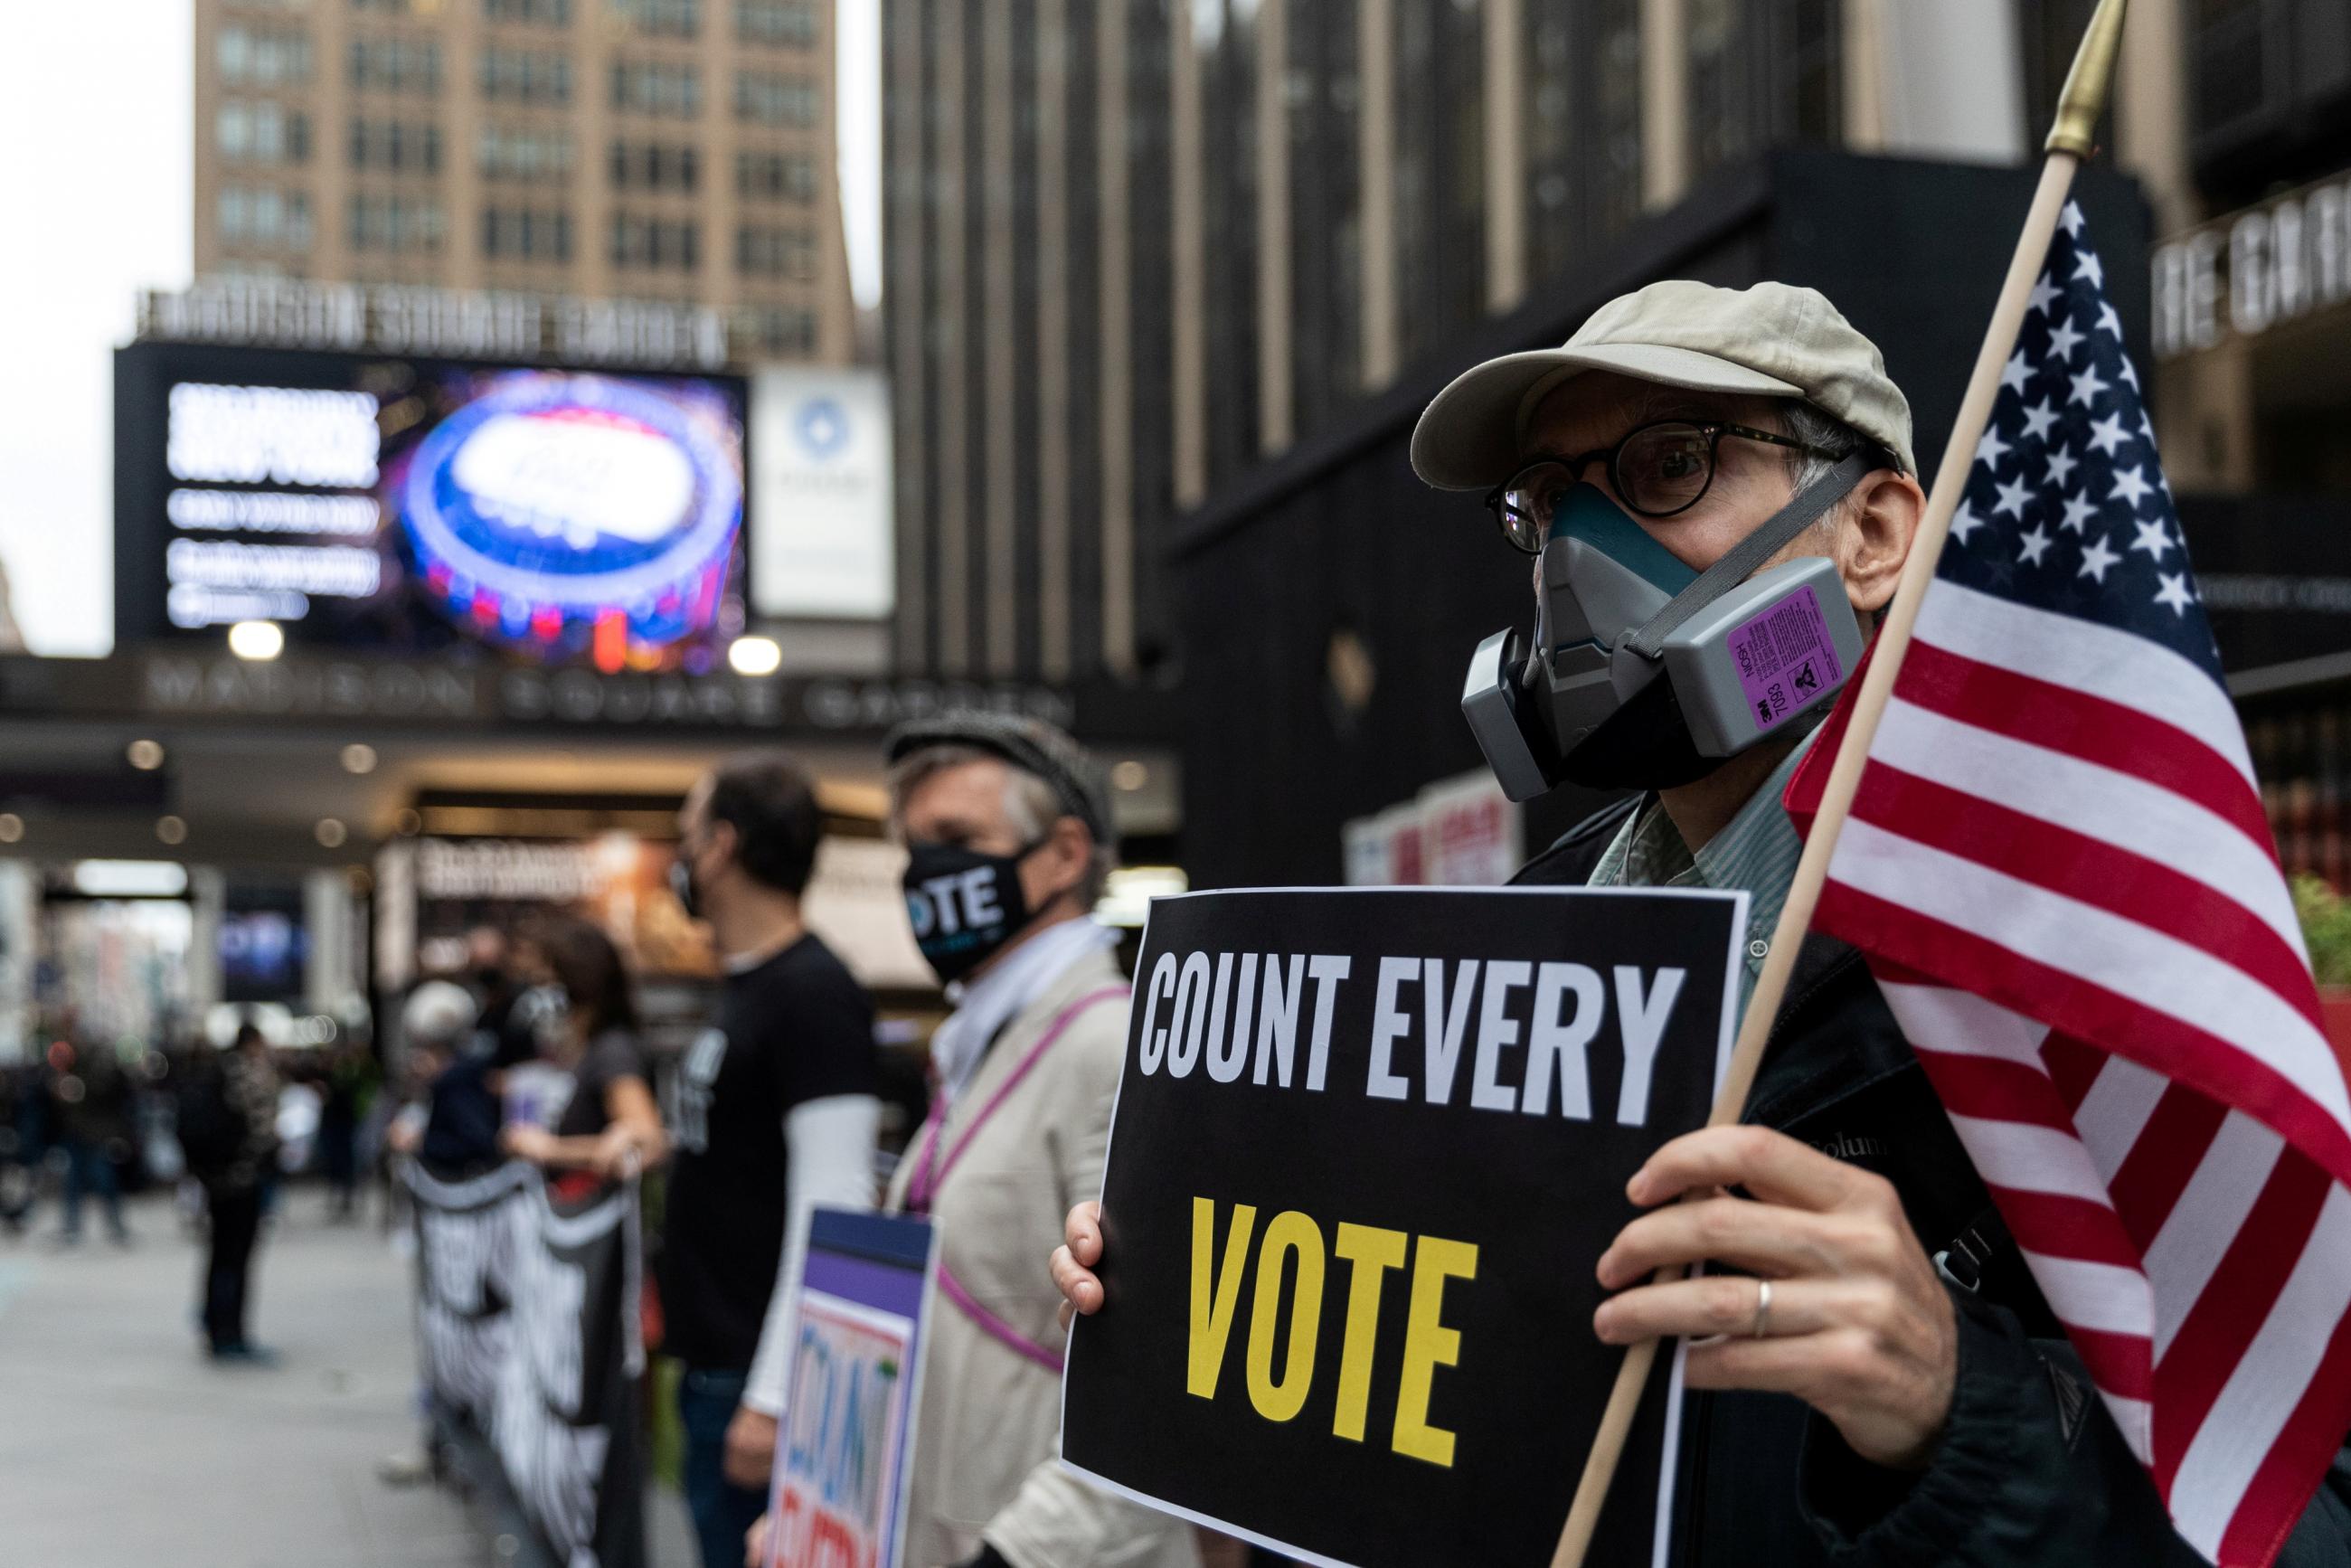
{"x": 123, "y": 1446}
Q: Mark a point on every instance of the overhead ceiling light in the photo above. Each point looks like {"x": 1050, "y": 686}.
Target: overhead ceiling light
{"x": 131, "y": 879}
{"x": 259, "y": 640}
{"x": 331, "y": 834}
{"x": 12, "y": 827}
{"x": 359, "y": 758}
{"x": 145, "y": 755}
{"x": 1130, "y": 776}
{"x": 171, "y": 830}
{"x": 755, "y": 655}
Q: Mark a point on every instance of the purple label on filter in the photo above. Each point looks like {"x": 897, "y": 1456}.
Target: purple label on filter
{"x": 1786, "y": 658}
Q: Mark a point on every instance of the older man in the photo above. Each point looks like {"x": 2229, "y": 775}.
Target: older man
{"x": 1007, "y": 832}
{"x": 1876, "y": 1406}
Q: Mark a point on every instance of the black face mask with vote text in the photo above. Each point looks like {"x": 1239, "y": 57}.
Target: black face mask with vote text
{"x": 966, "y": 904}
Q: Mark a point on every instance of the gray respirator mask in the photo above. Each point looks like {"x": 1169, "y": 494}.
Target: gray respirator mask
{"x": 1642, "y": 674}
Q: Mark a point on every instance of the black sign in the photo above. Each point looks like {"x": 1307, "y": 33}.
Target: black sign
{"x": 1368, "y": 1149}
{"x": 464, "y": 1274}
{"x": 528, "y": 1322}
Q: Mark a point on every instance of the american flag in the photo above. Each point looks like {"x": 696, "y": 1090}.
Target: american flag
{"x": 2058, "y": 865}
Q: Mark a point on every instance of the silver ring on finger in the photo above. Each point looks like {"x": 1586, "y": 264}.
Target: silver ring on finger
{"x": 1762, "y": 1324}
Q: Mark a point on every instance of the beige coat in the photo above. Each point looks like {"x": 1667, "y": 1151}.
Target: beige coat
{"x": 990, "y": 1420}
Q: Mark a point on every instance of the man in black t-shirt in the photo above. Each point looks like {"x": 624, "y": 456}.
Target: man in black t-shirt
{"x": 773, "y": 1111}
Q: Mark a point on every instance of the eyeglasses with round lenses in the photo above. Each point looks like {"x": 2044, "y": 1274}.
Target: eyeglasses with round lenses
{"x": 1657, "y": 470}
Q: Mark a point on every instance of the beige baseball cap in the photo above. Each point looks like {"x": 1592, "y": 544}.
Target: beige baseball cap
{"x": 1770, "y": 340}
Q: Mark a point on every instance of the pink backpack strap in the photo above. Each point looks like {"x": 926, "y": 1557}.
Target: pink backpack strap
{"x": 930, "y": 1172}
{"x": 996, "y": 1328}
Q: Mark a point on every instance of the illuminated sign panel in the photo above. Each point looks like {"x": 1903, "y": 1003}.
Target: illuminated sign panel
{"x": 554, "y": 516}
{"x": 823, "y": 541}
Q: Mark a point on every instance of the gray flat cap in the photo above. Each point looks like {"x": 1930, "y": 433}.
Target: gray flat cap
{"x": 1028, "y": 744}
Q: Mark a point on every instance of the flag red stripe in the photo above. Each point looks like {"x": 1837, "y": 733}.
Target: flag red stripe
{"x": 1996, "y": 1089}
{"x": 2088, "y": 870}
{"x": 2223, "y": 1322}
{"x": 2120, "y": 1363}
{"x": 2296, "y": 1462}
{"x": 2159, "y": 1165}
{"x": 1952, "y": 955}
{"x": 2065, "y": 719}
{"x": 2061, "y": 1225}
{"x": 2073, "y": 1065}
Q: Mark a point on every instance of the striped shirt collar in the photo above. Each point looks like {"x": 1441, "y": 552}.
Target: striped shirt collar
{"x": 1755, "y": 852}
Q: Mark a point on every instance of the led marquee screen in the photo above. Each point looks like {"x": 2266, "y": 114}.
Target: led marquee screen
{"x": 421, "y": 505}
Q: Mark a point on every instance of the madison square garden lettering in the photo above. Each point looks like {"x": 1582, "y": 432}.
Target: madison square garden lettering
{"x": 1368, "y": 1146}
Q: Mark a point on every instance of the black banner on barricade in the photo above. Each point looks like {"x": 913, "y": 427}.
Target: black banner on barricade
{"x": 562, "y": 1359}
{"x": 1368, "y": 1147}
{"x": 464, "y": 1282}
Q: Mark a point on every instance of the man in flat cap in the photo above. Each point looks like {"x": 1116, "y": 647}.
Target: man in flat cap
{"x": 1008, "y": 830}
{"x": 1877, "y": 1379}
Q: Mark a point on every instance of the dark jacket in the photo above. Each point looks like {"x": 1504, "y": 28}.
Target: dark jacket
{"x": 2030, "y": 1471}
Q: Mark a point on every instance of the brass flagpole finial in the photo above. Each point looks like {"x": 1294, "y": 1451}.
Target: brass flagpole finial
{"x": 2084, "y": 98}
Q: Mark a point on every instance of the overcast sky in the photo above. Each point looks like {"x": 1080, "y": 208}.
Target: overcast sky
{"x": 95, "y": 98}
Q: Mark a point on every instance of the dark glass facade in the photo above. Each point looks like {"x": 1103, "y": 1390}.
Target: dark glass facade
{"x": 2269, "y": 93}
{"x": 1038, "y": 410}
{"x": 1225, "y": 34}
{"x": 1440, "y": 172}
{"x": 1323, "y": 99}
{"x": 1082, "y": 270}
{"x": 1762, "y": 73}
{"x": 1151, "y": 329}
{"x": 1582, "y": 99}
{"x": 1017, "y": 184}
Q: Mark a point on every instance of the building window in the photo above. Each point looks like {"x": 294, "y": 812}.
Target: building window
{"x": 661, "y": 18}
{"x": 385, "y": 7}
{"x": 525, "y": 77}
{"x": 398, "y": 225}
{"x": 2239, "y": 54}
{"x": 649, "y": 166}
{"x": 396, "y": 64}
{"x": 1582, "y": 129}
{"x": 764, "y": 251}
{"x": 1440, "y": 173}
{"x": 777, "y": 328}
{"x": 526, "y": 233}
{"x": 263, "y": 216}
{"x": 261, "y": 57}
{"x": 1324, "y": 97}
{"x": 524, "y": 152}
{"x": 770, "y": 98}
{"x": 1761, "y": 72}
{"x": 544, "y": 13}
{"x": 776, "y": 176}
{"x": 395, "y": 147}
{"x": 247, "y": 131}
{"x": 660, "y": 245}
{"x": 789, "y": 22}
{"x": 642, "y": 87}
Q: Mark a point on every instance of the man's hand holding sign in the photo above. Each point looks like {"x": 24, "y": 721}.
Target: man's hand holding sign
{"x": 1845, "y": 1311}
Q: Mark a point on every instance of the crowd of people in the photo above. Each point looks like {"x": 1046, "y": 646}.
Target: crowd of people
{"x": 775, "y": 1106}
{"x": 88, "y": 1121}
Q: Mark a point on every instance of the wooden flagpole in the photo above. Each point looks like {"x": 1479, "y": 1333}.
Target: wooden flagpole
{"x": 2070, "y": 142}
